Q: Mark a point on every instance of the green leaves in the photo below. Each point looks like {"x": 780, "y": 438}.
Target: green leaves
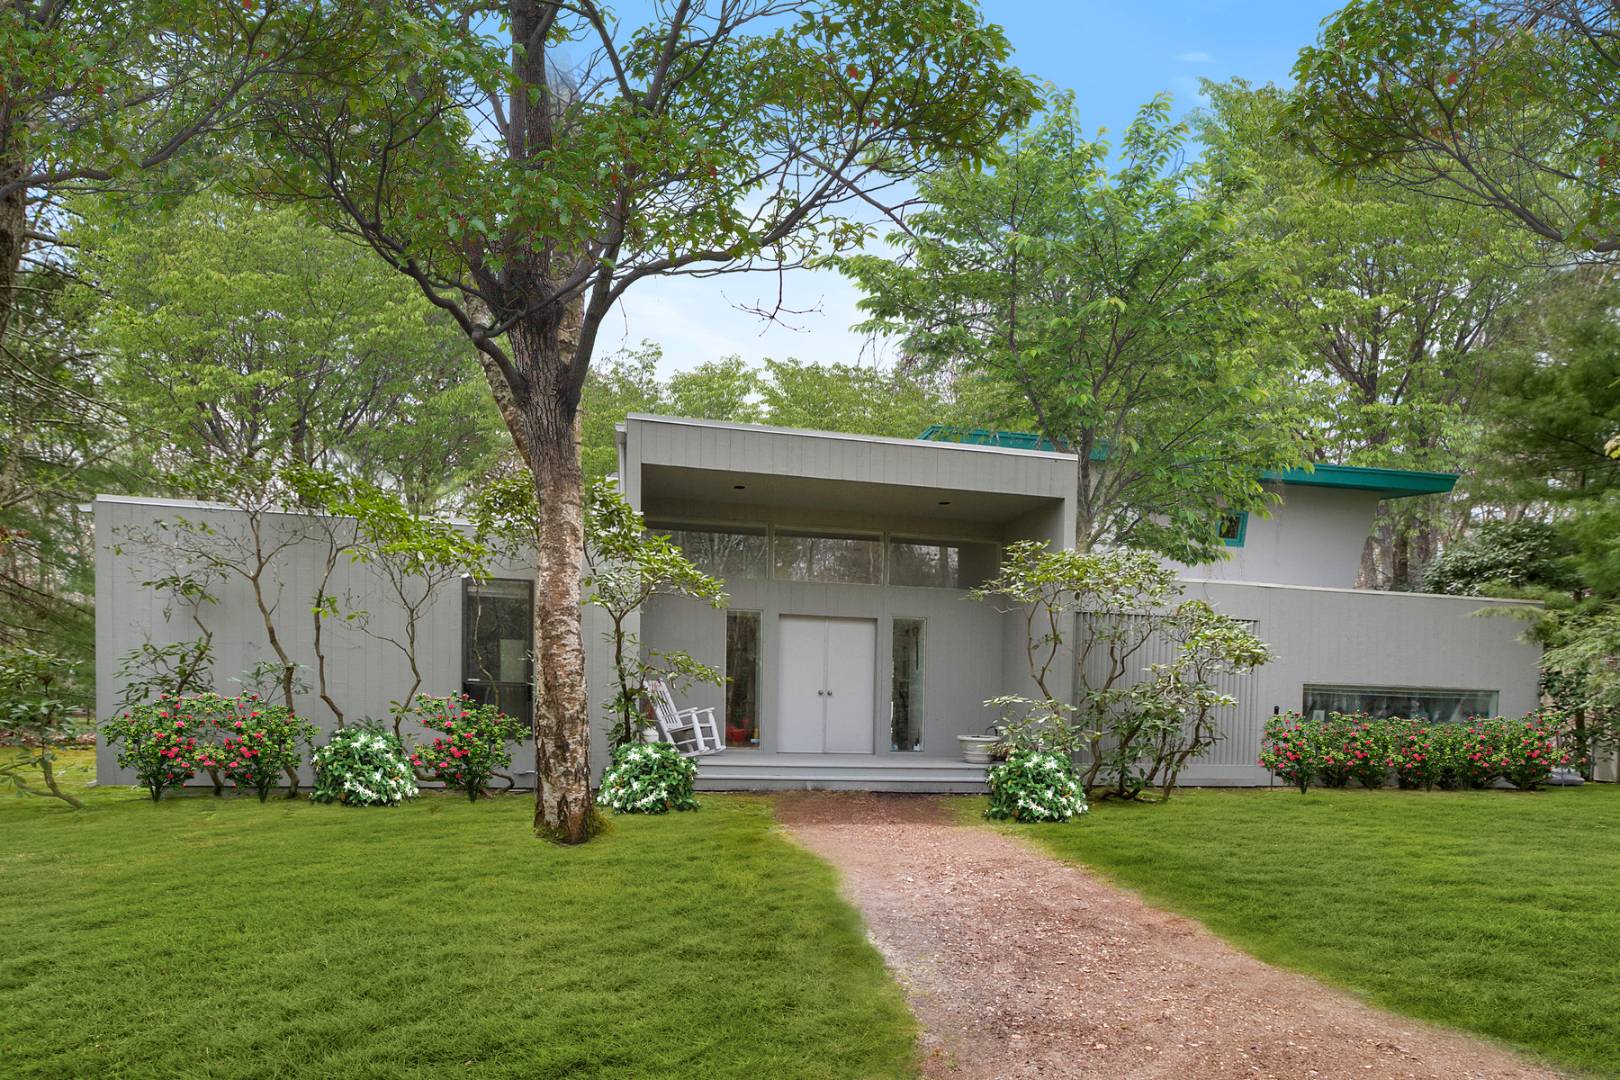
{"x": 1114, "y": 309}
{"x": 1491, "y": 103}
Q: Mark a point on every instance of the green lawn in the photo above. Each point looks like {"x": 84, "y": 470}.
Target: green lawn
{"x": 1494, "y": 911}
{"x": 221, "y": 938}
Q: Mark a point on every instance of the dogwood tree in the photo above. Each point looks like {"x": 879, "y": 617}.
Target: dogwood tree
{"x": 527, "y": 163}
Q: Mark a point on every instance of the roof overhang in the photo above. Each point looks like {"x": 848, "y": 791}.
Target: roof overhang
{"x": 1388, "y": 483}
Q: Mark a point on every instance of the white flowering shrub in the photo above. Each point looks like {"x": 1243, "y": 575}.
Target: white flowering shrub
{"x": 648, "y": 778}
{"x": 1035, "y": 785}
{"x": 363, "y": 766}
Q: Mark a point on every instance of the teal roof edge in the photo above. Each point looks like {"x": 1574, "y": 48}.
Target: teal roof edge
{"x": 1388, "y": 483}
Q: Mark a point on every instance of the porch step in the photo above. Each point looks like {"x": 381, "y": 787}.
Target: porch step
{"x": 838, "y": 773}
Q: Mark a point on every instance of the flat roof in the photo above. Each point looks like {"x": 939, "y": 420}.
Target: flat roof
{"x": 992, "y": 448}
{"x": 1389, "y": 483}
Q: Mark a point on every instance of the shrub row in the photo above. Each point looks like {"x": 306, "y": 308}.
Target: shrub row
{"x": 1354, "y": 747}
{"x": 253, "y": 743}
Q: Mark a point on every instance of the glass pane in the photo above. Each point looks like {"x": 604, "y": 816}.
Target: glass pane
{"x": 839, "y": 559}
{"x": 941, "y": 564}
{"x": 497, "y": 661}
{"x": 1431, "y": 706}
{"x": 906, "y": 697}
{"x": 742, "y": 678}
{"x": 729, "y": 554}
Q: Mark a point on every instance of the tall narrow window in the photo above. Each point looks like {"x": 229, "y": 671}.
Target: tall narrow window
{"x": 497, "y": 645}
{"x": 906, "y": 693}
{"x": 742, "y": 678}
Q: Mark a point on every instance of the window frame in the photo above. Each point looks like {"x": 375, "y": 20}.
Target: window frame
{"x": 468, "y": 584}
{"x": 1242, "y": 518}
{"x": 919, "y": 685}
{"x": 1494, "y": 696}
{"x": 890, "y": 539}
{"x": 758, "y": 616}
{"x": 813, "y": 532}
{"x": 665, "y": 526}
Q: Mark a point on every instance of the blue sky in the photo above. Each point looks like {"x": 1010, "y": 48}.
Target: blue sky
{"x": 1114, "y": 56}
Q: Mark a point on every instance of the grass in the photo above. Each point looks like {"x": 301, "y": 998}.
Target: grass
{"x": 1492, "y": 911}
{"x": 202, "y": 937}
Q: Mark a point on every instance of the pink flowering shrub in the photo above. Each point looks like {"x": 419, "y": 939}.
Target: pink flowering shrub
{"x": 261, "y": 743}
{"x": 1529, "y": 751}
{"x": 1414, "y": 756}
{"x": 472, "y": 743}
{"x": 1367, "y": 746}
{"x": 248, "y": 741}
{"x": 1335, "y": 748}
{"x": 159, "y": 741}
{"x": 1289, "y": 749}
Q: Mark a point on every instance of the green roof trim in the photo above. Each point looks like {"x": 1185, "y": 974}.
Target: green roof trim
{"x": 1388, "y": 483}
{"x": 1007, "y": 440}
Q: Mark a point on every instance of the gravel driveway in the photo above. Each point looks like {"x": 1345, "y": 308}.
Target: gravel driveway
{"x": 1019, "y": 965}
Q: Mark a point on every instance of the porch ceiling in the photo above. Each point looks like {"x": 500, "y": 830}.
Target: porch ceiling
{"x": 666, "y": 484}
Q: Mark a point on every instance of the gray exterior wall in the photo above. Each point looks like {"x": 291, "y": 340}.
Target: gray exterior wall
{"x": 697, "y": 473}
{"x": 1313, "y": 537}
{"x": 364, "y": 674}
{"x": 1358, "y": 637}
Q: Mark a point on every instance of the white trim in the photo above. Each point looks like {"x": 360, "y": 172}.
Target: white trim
{"x": 884, "y": 440}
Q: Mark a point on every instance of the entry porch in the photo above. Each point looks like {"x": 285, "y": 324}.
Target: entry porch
{"x": 749, "y": 770}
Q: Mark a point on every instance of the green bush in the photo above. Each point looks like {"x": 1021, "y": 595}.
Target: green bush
{"x": 160, "y": 742}
{"x": 262, "y": 743}
{"x": 1481, "y": 760}
{"x": 1035, "y": 785}
{"x": 1369, "y": 746}
{"x": 648, "y": 778}
{"x": 471, "y": 746}
{"x": 1529, "y": 751}
{"x": 1335, "y": 751}
{"x": 1413, "y": 755}
{"x": 1288, "y": 750}
{"x": 362, "y": 765}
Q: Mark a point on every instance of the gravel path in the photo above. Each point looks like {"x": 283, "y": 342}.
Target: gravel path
{"x": 1019, "y": 965}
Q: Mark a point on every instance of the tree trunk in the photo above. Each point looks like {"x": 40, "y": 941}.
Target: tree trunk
{"x": 550, "y": 434}
{"x": 13, "y": 223}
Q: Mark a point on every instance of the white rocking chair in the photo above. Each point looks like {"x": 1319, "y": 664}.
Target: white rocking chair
{"x": 693, "y": 732}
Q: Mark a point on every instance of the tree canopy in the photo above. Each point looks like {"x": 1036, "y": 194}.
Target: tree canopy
{"x": 241, "y": 333}
{"x": 1505, "y": 104}
{"x": 1115, "y": 308}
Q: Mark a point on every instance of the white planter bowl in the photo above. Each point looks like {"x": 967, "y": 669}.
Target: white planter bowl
{"x": 978, "y": 749}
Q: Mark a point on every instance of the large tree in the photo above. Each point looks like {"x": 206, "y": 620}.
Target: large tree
{"x": 1115, "y": 308}
{"x": 526, "y": 163}
{"x": 94, "y": 94}
{"x": 1506, "y": 104}
{"x": 241, "y": 333}
{"x": 1395, "y": 299}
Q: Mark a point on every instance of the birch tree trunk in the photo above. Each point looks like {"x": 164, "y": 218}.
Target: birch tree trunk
{"x": 545, "y": 425}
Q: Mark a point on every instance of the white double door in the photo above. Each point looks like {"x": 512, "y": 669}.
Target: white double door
{"x": 828, "y": 683}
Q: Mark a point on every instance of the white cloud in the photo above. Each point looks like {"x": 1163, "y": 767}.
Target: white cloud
{"x": 1194, "y": 57}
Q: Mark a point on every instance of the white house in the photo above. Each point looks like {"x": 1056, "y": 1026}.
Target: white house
{"x": 853, "y": 657}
